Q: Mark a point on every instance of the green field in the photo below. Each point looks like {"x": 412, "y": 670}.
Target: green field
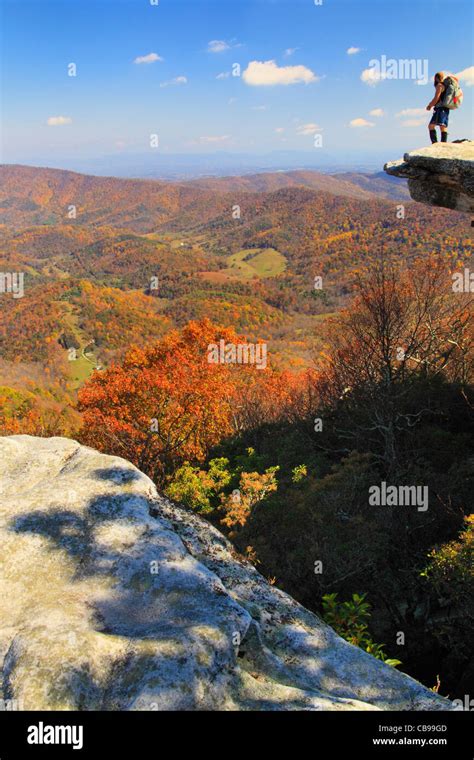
{"x": 256, "y": 262}
{"x": 81, "y": 368}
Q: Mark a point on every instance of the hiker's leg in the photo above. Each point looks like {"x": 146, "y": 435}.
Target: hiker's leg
{"x": 432, "y": 128}
{"x": 443, "y": 124}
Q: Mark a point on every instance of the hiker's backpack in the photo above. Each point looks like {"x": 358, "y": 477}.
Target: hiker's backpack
{"x": 453, "y": 95}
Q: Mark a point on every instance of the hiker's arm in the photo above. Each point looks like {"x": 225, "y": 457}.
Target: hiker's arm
{"x": 437, "y": 95}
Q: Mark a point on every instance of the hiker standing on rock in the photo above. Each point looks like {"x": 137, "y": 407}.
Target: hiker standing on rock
{"x": 448, "y": 95}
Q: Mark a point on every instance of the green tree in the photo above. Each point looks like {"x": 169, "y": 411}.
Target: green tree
{"x": 350, "y": 620}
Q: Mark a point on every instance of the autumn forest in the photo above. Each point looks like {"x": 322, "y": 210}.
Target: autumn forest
{"x": 367, "y": 379}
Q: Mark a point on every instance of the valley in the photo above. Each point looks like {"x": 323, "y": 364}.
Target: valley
{"x": 255, "y": 272}
{"x": 326, "y": 278}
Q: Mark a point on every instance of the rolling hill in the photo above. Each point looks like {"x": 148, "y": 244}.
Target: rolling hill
{"x": 139, "y": 257}
{"x": 350, "y": 185}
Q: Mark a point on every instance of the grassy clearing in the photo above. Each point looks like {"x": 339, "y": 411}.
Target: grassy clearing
{"x": 263, "y": 262}
{"x": 249, "y": 263}
{"x": 81, "y": 368}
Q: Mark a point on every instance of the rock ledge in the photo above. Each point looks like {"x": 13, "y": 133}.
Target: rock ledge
{"x": 439, "y": 175}
{"x": 113, "y": 598}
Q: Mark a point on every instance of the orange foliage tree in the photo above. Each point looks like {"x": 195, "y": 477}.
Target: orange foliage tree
{"x": 253, "y": 488}
{"x": 167, "y": 404}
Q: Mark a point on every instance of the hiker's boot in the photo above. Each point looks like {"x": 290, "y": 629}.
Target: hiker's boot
{"x": 444, "y": 137}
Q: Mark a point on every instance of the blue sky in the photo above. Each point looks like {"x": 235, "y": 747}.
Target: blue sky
{"x": 164, "y": 69}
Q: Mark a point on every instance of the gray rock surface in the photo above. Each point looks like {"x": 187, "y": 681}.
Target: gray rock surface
{"x": 113, "y": 598}
{"x": 440, "y": 175}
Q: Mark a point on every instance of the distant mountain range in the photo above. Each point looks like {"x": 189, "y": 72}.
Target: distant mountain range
{"x": 350, "y": 184}
{"x": 90, "y": 247}
{"x": 184, "y": 166}
{"x": 31, "y": 195}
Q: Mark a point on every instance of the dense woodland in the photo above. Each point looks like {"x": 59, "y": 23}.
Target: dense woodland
{"x": 369, "y": 378}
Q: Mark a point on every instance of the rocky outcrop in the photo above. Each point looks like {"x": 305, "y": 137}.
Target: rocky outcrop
{"x": 113, "y": 598}
{"x": 440, "y": 175}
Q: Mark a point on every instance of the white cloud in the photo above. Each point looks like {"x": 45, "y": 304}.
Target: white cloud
{"x": 289, "y": 52}
{"x": 361, "y": 123}
{"x": 150, "y": 58}
{"x": 208, "y": 139}
{"x": 217, "y": 46}
{"x": 466, "y": 76}
{"x": 175, "y": 81}
{"x": 279, "y": 130}
{"x": 268, "y": 73}
{"x": 411, "y": 112}
{"x": 352, "y": 50}
{"x": 221, "y": 46}
{"x": 259, "y": 108}
{"x": 308, "y": 129}
{"x": 377, "y": 112}
{"x": 413, "y": 122}
{"x": 223, "y": 75}
{"x": 372, "y": 76}
{"x": 59, "y": 121}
